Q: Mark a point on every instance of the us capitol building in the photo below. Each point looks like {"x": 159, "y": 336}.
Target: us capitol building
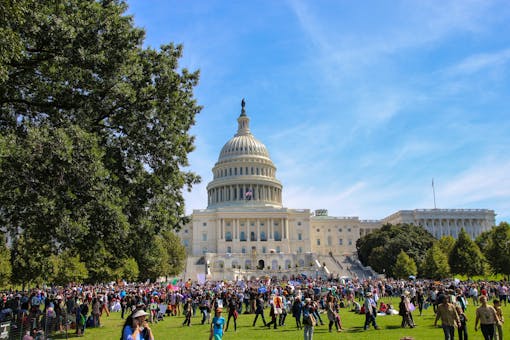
{"x": 245, "y": 231}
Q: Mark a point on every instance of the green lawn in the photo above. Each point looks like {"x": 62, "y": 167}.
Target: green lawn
{"x": 171, "y": 328}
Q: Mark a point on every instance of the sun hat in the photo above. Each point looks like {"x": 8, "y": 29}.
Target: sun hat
{"x": 139, "y": 313}
{"x": 219, "y": 309}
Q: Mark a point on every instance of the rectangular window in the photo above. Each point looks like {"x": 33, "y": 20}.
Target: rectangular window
{"x": 350, "y": 242}
{"x": 299, "y": 237}
{"x": 340, "y": 242}
{"x": 204, "y": 237}
{"x": 318, "y": 241}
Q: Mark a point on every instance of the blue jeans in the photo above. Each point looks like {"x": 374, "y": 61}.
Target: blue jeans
{"x": 449, "y": 332}
{"x": 308, "y": 332}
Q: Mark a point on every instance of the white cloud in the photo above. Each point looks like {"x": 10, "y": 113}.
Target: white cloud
{"x": 479, "y": 62}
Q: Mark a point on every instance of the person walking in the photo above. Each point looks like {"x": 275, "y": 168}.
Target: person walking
{"x": 217, "y": 325}
{"x": 332, "y": 314}
{"x": 499, "y": 313}
{"x": 232, "y": 313}
{"x": 463, "y": 324}
{"x": 487, "y": 317}
{"x": 188, "y": 311}
{"x": 309, "y": 321}
{"x": 297, "y": 308}
{"x": 370, "y": 311}
{"x": 447, "y": 312}
{"x": 259, "y": 310}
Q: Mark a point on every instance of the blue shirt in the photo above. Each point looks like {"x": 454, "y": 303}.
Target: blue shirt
{"x": 128, "y": 334}
{"x": 218, "y": 323}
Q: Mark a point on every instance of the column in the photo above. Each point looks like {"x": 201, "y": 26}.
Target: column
{"x": 270, "y": 228}
{"x": 287, "y": 228}
{"x": 257, "y": 222}
{"x": 234, "y": 227}
{"x": 221, "y": 229}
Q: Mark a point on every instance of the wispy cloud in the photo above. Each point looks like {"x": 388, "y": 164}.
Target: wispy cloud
{"x": 479, "y": 62}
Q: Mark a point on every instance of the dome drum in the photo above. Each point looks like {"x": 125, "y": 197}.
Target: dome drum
{"x": 244, "y": 173}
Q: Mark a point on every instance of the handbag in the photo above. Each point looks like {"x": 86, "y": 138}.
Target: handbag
{"x": 311, "y": 320}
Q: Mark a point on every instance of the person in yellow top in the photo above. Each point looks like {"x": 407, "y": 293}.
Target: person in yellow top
{"x": 449, "y": 317}
{"x": 488, "y": 319}
{"x": 499, "y": 313}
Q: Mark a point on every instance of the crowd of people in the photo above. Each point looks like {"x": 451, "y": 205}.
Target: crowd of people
{"x": 310, "y": 302}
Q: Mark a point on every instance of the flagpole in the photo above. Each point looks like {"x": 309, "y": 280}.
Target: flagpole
{"x": 434, "y": 193}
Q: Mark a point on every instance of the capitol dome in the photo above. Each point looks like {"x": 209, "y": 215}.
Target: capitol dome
{"x": 244, "y": 173}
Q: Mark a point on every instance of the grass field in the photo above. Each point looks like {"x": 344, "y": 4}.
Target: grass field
{"x": 171, "y": 328}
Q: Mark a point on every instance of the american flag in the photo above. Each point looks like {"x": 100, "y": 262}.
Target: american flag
{"x": 248, "y": 194}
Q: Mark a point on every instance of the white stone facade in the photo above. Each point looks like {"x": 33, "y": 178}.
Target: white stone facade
{"x": 245, "y": 231}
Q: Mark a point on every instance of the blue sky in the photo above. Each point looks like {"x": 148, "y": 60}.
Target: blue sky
{"x": 360, "y": 104}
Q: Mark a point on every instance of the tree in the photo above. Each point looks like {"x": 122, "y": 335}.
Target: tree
{"x": 129, "y": 270}
{"x": 380, "y": 248}
{"x": 67, "y": 268}
{"x": 465, "y": 257}
{"x": 446, "y": 244}
{"x": 5, "y": 262}
{"x": 435, "y": 265}
{"x": 498, "y": 251}
{"x": 176, "y": 253}
{"x": 404, "y": 266}
{"x": 94, "y": 134}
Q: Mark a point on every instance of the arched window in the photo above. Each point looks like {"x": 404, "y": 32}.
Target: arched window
{"x": 247, "y": 264}
{"x": 301, "y": 263}
{"x": 287, "y": 263}
{"x": 228, "y": 236}
{"x": 274, "y": 264}
{"x": 264, "y": 250}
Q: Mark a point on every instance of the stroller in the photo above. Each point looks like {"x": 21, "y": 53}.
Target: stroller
{"x": 161, "y": 311}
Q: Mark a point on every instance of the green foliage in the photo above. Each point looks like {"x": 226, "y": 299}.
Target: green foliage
{"x": 67, "y": 268}
{"x": 94, "y": 136}
{"x": 380, "y": 248}
{"x": 465, "y": 257}
{"x": 129, "y": 270}
{"x": 5, "y": 262}
{"x": 435, "y": 265}
{"x": 404, "y": 266}
{"x": 176, "y": 253}
{"x": 446, "y": 244}
{"x": 498, "y": 249}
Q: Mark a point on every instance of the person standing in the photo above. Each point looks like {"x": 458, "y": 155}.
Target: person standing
{"x": 487, "y": 317}
{"x": 217, "y": 325}
{"x": 449, "y": 317}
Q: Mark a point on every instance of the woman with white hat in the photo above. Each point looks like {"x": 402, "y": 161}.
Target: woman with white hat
{"x": 136, "y": 328}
